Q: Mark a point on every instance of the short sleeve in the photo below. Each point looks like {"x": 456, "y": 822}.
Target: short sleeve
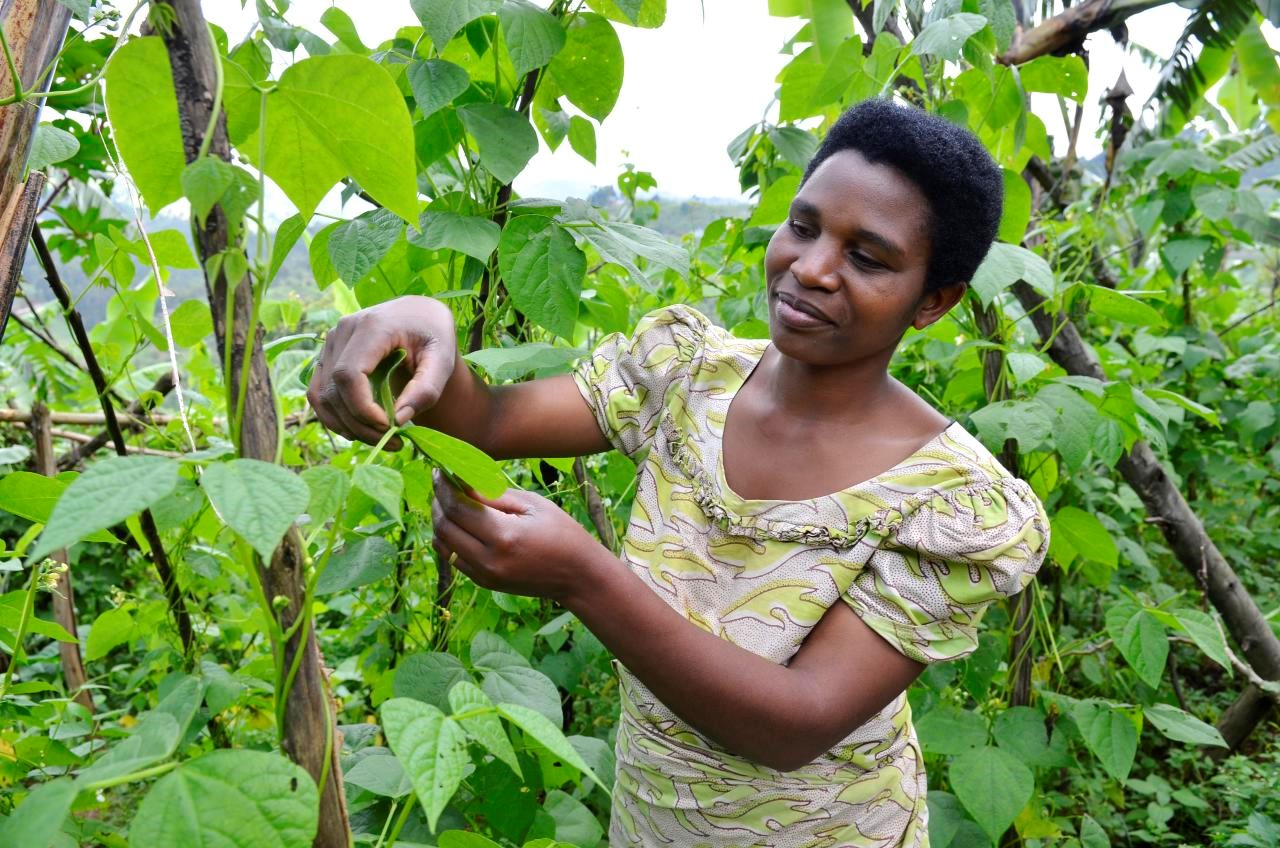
{"x": 626, "y": 381}
{"x": 934, "y": 574}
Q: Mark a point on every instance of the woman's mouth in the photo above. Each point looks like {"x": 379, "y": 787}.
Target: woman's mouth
{"x": 798, "y": 314}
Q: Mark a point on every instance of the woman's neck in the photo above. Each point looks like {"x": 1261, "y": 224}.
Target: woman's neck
{"x": 851, "y": 393}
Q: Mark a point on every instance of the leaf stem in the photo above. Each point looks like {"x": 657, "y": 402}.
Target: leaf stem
{"x": 141, "y": 774}
{"x": 23, "y": 621}
{"x": 217, "y": 100}
{"x": 13, "y": 72}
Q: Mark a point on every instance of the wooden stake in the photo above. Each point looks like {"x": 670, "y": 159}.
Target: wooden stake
{"x": 64, "y": 605}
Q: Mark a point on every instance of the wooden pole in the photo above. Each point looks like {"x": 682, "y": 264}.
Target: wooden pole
{"x": 310, "y": 735}
{"x": 33, "y": 31}
{"x": 64, "y": 603}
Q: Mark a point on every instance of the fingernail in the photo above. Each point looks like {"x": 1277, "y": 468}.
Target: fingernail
{"x": 403, "y": 414}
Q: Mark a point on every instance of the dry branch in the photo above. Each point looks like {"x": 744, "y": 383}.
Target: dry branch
{"x": 1067, "y": 30}
{"x": 1182, "y": 529}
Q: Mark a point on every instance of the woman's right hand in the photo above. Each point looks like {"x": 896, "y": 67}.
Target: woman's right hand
{"x": 340, "y": 391}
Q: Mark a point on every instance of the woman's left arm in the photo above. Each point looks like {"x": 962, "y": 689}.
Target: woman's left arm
{"x": 779, "y": 716}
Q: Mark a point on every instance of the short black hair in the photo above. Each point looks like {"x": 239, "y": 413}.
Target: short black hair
{"x": 956, "y": 174}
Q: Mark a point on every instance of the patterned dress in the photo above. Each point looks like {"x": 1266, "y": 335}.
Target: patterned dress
{"x": 917, "y": 552}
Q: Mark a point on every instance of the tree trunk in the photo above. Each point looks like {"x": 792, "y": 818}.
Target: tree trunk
{"x": 1182, "y": 529}
{"x": 34, "y": 30}
{"x": 1068, "y": 29}
{"x": 64, "y": 602}
{"x": 308, "y": 721}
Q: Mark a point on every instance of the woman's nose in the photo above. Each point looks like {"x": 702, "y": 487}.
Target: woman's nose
{"x": 817, "y": 267}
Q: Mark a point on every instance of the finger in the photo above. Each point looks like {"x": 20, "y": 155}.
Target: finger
{"x": 350, "y": 373}
{"x": 456, "y": 539}
{"x": 355, "y": 427}
{"x": 512, "y": 501}
{"x": 433, "y": 364}
{"x": 477, "y": 519}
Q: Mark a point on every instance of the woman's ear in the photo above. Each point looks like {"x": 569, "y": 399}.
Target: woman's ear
{"x": 937, "y": 303}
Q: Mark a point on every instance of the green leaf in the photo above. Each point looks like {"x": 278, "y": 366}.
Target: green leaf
{"x": 775, "y": 203}
{"x": 435, "y": 83}
{"x": 357, "y": 245}
{"x": 549, "y": 736}
{"x": 484, "y": 727}
{"x": 365, "y": 561}
{"x": 32, "y": 496}
{"x": 108, "y": 492}
{"x": 340, "y": 24}
{"x": 1140, "y": 639}
{"x": 1205, "y": 631}
{"x": 11, "y": 605}
{"x": 1021, "y": 731}
{"x": 111, "y": 629}
{"x": 380, "y": 774}
{"x": 1065, "y": 75}
{"x": 951, "y": 730}
{"x": 465, "y": 839}
{"x": 582, "y": 138}
{"x": 231, "y": 798}
{"x": 1025, "y": 366}
{"x": 38, "y": 819}
{"x": 1086, "y": 535}
{"x": 648, "y": 14}
{"x": 1004, "y": 265}
{"x": 527, "y": 687}
{"x": 429, "y": 678}
{"x": 476, "y": 237}
{"x": 1017, "y": 208}
{"x": 49, "y": 146}
{"x": 191, "y": 323}
{"x": 945, "y": 816}
{"x": 543, "y": 270}
{"x": 205, "y": 181}
{"x": 1109, "y": 733}
{"x": 945, "y": 37}
{"x": 1121, "y": 307}
{"x": 589, "y": 67}
{"x": 385, "y": 485}
{"x": 431, "y": 746}
{"x": 1179, "y": 254}
{"x": 144, "y": 119}
{"x": 328, "y": 487}
{"x": 1186, "y": 403}
{"x": 533, "y": 37}
{"x": 505, "y": 137}
{"x": 335, "y": 116}
{"x": 575, "y": 824}
{"x": 622, "y": 243}
{"x": 993, "y": 785}
{"x": 511, "y": 363}
{"x": 154, "y": 739}
{"x": 1183, "y": 726}
{"x": 258, "y": 500}
{"x": 287, "y": 235}
{"x": 794, "y": 144}
{"x": 443, "y": 18}
{"x": 1092, "y": 835}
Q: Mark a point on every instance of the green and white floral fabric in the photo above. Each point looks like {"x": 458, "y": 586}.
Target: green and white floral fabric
{"x": 918, "y": 552}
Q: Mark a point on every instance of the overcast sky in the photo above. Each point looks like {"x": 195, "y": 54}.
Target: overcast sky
{"x": 703, "y": 77}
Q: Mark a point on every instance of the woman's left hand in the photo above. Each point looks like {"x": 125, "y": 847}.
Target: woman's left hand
{"x": 519, "y": 543}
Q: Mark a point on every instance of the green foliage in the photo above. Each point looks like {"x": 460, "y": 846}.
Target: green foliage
{"x": 474, "y": 718}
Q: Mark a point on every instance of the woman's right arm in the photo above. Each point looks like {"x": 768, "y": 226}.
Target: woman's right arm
{"x": 545, "y": 417}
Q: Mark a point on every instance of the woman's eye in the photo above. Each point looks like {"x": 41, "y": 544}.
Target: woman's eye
{"x": 800, "y": 228}
{"x": 862, "y": 260}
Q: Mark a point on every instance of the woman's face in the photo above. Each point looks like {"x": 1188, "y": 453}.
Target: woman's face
{"x": 846, "y": 270}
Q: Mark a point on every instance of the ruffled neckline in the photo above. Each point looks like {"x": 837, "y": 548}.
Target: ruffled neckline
{"x": 768, "y": 519}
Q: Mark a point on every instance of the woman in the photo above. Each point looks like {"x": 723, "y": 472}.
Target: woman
{"x": 807, "y": 533}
